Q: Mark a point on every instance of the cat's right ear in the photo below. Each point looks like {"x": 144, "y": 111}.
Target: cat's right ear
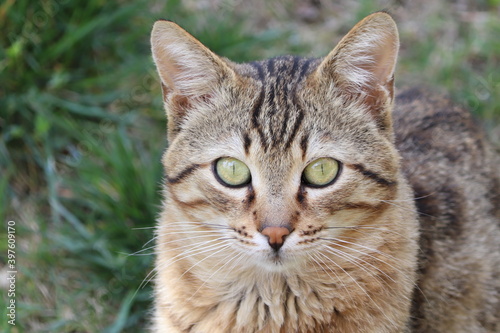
{"x": 190, "y": 73}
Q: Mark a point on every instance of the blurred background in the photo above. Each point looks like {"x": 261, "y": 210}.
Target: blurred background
{"x": 82, "y": 127}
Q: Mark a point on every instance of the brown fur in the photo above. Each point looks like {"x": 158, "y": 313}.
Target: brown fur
{"x": 455, "y": 176}
{"x": 351, "y": 261}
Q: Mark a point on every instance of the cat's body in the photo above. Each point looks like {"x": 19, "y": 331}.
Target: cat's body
{"x": 319, "y": 232}
{"x": 455, "y": 175}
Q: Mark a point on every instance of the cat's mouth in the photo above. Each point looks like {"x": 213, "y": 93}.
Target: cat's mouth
{"x": 275, "y": 263}
{"x": 277, "y": 258}
{"x": 279, "y": 261}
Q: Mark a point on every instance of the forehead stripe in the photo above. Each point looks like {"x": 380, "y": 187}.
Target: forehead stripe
{"x": 256, "y": 109}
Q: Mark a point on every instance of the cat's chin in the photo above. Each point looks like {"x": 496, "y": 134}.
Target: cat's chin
{"x": 274, "y": 267}
{"x": 276, "y": 263}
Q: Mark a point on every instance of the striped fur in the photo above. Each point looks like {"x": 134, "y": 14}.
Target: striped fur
{"x": 350, "y": 262}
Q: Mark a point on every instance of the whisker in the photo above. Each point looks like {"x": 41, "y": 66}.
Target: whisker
{"x": 404, "y": 208}
{"x": 239, "y": 256}
{"x": 182, "y": 256}
{"x": 354, "y": 259}
{"x": 359, "y": 286}
{"x": 176, "y": 225}
{"x": 361, "y": 228}
{"x": 191, "y": 224}
{"x": 138, "y": 253}
{"x": 335, "y": 240}
{"x": 190, "y": 232}
{"x": 196, "y": 248}
{"x": 221, "y": 248}
{"x": 315, "y": 259}
{"x": 143, "y": 228}
{"x": 412, "y": 199}
{"x": 334, "y": 273}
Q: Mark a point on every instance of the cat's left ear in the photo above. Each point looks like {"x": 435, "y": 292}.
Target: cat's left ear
{"x": 190, "y": 73}
{"x": 362, "y": 65}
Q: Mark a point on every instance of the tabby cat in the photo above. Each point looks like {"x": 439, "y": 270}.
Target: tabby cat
{"x": 296, "y": 200}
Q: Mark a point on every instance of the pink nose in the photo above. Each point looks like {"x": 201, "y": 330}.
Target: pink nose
{"x": 276, "y": 236}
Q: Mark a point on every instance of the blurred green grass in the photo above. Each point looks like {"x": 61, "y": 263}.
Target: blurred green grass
{"x": 82, "y": 131}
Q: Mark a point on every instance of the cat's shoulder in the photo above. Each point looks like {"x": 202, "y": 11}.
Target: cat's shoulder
{"x": 424, "y": 110}
{"x": 429, "y": 123}
{"x": 445, "y": 151}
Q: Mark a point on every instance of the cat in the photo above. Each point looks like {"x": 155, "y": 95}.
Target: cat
{"x": 297, "y": 200}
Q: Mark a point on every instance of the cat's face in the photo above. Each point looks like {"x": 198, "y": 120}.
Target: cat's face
{"x": 316, "y": 172}
{"x": 283, "y": 161}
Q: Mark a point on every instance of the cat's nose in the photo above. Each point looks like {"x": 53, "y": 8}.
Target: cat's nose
{"x": 276, "y": 236}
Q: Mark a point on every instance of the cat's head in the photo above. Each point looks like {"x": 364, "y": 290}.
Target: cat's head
{"x": 279, "y": 157}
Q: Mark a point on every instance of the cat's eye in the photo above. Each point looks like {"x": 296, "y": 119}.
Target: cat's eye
{"x": 232, "y": 172}
{"x": 321, "y": 172}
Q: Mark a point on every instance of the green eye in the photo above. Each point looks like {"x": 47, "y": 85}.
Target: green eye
{"x": 321, "y": 172}
{"x": 232, "y": 172}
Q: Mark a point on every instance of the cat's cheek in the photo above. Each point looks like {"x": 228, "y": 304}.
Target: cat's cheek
{"x": 189, "y": 201}
{"x": 229, "y": 202}
{"x": 199, "y": 204}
